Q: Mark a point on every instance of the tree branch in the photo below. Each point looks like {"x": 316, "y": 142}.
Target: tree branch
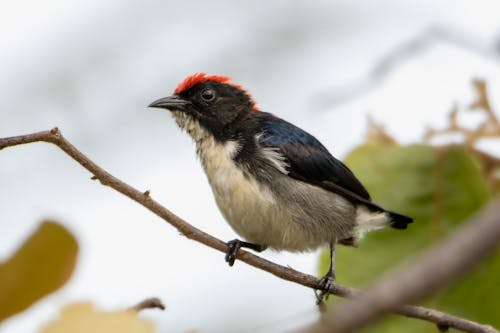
{"x": 54, "y": 136}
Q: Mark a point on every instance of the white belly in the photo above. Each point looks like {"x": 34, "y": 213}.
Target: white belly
{"x": 252, "y": 209}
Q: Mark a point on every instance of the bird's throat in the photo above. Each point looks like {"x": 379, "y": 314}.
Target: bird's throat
{"x": 192, "y": 126}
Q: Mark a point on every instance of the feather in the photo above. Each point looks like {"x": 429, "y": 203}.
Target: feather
{"x": 308, "y": 160}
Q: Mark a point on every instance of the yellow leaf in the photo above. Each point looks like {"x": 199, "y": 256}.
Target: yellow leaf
{"x": 83, "y": 318}
{"x": 40, "y": 266}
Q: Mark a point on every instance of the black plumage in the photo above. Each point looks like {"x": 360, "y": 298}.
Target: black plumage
{"x": 309, "y": 161}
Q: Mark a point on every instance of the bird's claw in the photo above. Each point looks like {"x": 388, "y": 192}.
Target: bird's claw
{"x": 232, "y": 250}
{"x": 234, "y": 246}
{"x": 326, "y": 282}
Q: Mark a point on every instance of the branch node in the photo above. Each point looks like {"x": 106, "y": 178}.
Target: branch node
{"x": 55, "y": 131}
{"x": 94, "y": 177}
{"x": 147, "y": 193}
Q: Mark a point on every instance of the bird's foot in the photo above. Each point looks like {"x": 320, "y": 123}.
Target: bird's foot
{"x": 326, "y": 282}
{"x": 234, "y": 246}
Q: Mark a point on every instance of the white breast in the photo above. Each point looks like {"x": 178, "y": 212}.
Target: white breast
{"x": 247, "y": 206}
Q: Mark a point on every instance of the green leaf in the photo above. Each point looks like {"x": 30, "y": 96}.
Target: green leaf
{"x": 440, "y": 188}
{"x": 40, "y": 266}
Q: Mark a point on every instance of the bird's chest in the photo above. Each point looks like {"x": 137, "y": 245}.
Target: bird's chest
{"x": 247, "y": 205}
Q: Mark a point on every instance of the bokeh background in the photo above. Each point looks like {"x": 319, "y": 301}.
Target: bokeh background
{"x": 92, "y": 67}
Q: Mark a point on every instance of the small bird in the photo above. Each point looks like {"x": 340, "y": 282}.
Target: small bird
{"x": 275, "y": 184}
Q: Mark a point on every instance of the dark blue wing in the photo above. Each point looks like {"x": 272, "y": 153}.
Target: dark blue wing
{"x": 308, "y": 160}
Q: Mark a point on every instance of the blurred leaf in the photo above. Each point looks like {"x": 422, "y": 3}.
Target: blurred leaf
{"x": 440, "y": 188}
{"x": 422, "y": 181}
{"x": 40, "y": 266}
{"x": 82, "y": 317}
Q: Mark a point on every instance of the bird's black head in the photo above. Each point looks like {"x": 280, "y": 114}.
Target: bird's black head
{"x": 212, "y": 101}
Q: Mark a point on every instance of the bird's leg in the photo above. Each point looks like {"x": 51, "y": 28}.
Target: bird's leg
{"x": 234, "y": 246}
{"x": 327, "y": 280}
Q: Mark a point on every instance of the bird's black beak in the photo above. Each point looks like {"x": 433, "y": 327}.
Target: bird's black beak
{"x": 173, "y": 103}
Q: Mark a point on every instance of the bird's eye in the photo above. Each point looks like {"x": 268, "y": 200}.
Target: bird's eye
{"x": 208, "y": 95}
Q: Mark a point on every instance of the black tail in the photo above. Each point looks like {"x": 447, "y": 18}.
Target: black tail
{"x": 399, "y": 221}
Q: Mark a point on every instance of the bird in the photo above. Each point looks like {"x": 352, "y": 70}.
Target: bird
{"x": 275, "y": 184}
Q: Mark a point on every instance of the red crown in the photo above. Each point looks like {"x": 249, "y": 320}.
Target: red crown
{"x": 196, "y": 78}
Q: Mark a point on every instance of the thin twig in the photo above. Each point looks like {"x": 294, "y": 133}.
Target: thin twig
{"x": 404, "y": 52}
{"x": 488, "y": 128}
{"x": 439, "y": 266}
{"x": 148, "y": 303}
{"x": 54, "y": 136}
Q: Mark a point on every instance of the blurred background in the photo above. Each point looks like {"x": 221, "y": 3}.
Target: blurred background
{"x": 91, "y": 68}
